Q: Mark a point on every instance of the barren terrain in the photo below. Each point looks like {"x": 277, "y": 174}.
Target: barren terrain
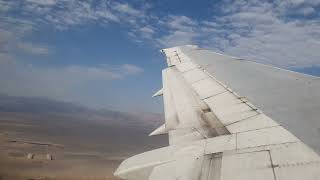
{"x": 83, "y": 143}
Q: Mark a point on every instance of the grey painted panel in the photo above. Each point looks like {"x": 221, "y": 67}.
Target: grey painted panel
{"x": 228, "y": 108}
{"x": 189, "y": 167}
{"x": 211, "y": 167}
{"x": 141, "y": 165}
{"x": 256, "y": 122}
{"x": 262, "y": 137}
{"x": 171, "y": 116}
{"x": 208, "y": 87}
{"x": 164, "y": 171}
{"x": 247, "y": 166}
{"x": 310, "y": 172}
{"x": 194, "y": 75}
{"x": 220, "y": 144}
{"x": 183, "y": 67}
{"x": 292, "y": 99}
{"x": 294, "y": 154}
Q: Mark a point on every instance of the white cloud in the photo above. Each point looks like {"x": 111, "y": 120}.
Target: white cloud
{"x": 283, "y": 44}
{"x": 73, "y": 13}
{"x": 307, "y": 11}
{"x": 180, "y": 23}
{"x": 5, "y": 40}
{"x": 130, "y": 69}
{"x": 147, "y": 30}
{"x": 63, "y": 14}
{"x": 32, "y": 48}
{"x": 262, "y": 31}
{"x": 27, "y": 80}
{"x": 258, "y": 32}
{"x": 283, "y": 32}
{"x": 11, "y": 32}
{"x": 176, "y": 38}
{"x": 181, "y": 30}
{"x": 126, "y": 9}
{"x": 43, "y": 2}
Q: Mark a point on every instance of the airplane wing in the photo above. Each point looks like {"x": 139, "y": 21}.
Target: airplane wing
{"x": 227, "y": 119}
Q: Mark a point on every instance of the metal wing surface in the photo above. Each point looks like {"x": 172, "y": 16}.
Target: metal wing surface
{"x": 232, "y": 119}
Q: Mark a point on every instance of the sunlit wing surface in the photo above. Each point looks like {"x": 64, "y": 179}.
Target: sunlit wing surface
{"x": 228, "y": 119}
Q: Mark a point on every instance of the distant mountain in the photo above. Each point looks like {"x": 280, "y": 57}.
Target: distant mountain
{"x": 53, "y": 109}
{"x": 312, "y": 70}
{"x": 44, "y": 119}
{"x": 91, "y": 142}
{"x": 38, "y": 105}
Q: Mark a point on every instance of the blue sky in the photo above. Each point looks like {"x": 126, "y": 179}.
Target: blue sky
{"x": 105, "y": 54}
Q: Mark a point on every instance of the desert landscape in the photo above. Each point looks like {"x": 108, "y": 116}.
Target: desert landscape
{"x": 46, "y": 139}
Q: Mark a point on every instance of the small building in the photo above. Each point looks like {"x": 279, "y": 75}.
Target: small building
{"x": 49, "y": 157}
{"x": 30, "y": 156}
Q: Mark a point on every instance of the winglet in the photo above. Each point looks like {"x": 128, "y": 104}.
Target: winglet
{"x": 160, "y": 130}
{"x": 158, "y": 93}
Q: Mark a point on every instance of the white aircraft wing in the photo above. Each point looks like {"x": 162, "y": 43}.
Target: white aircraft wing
{"x": 223, "y": 116}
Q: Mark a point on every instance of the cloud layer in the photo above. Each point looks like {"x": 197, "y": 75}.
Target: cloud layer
{"x": 284, "y": 33}
{"x": 58, "y": 82}
{"x": 281, "y": 33}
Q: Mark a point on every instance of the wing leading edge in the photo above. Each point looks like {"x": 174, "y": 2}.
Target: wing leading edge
{"x": 216, "y": 134}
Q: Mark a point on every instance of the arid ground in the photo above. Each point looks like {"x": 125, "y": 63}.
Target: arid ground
{"x": 83, "y": 143}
